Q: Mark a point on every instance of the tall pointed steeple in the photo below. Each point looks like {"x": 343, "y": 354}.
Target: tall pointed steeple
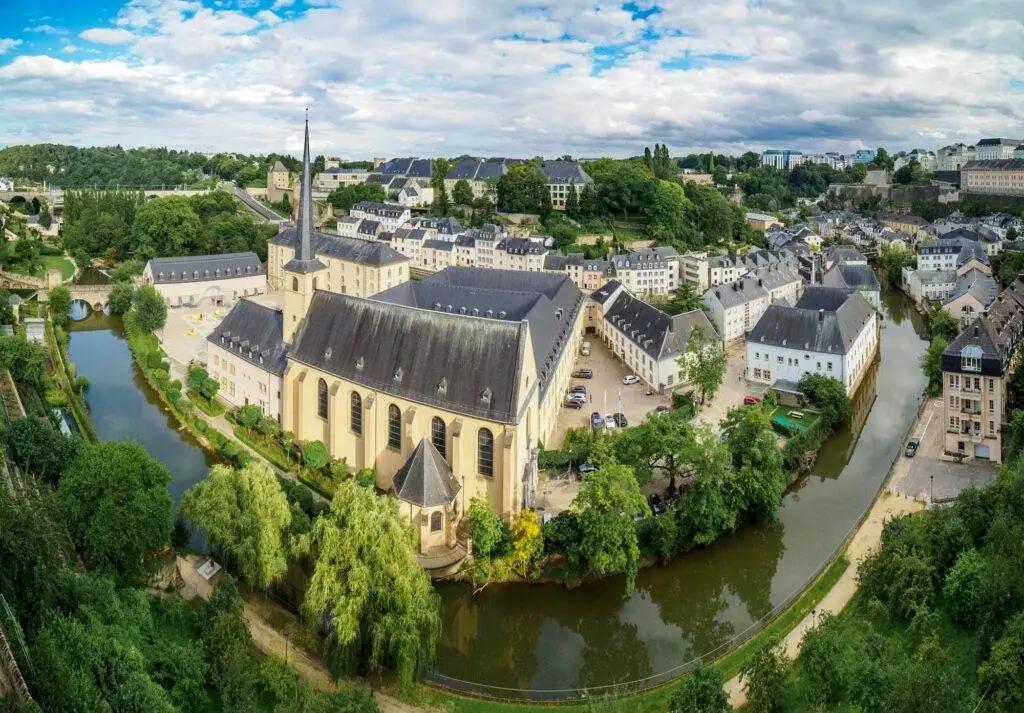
{"x": 304, "y": 260}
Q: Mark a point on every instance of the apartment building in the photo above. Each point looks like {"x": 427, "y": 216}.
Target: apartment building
{"x": 520, "y": 254}
{"x": 390, "y": 215}
{"x": 648, "y": 270}
{"x": 784, "y": 160}
{"x": 560, "y": 175}
{"x": 333, "y": 178}
{"x": 995, "y": 149}
{"x": 246, "y": 356}
{"x": 953, "y": 158}
{"x": 975, "y": 367}
{"x": 481, "y": 174}
{"x": 735, "y": 307}
{"x": 997, "y": 177}
{"x": 695, "y": 269}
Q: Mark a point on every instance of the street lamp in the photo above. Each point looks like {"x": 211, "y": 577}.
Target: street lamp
{"x": 931, "y": 483}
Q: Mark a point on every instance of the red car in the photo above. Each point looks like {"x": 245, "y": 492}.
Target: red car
{"x": 751, "y": 400}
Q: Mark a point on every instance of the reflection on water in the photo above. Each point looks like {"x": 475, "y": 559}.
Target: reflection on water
{"x": 550, "y": 637}
{"x": 122, "y": 404}
{"x": 92, "y": 276}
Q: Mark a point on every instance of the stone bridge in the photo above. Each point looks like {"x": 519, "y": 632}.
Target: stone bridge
{"x": 96, "y": 296}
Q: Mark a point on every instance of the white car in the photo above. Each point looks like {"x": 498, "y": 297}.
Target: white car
{"x": 609, "y": 422}
{"x": 631, "y": 379}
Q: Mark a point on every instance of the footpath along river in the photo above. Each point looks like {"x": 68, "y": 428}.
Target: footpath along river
{"x": 519, "y": 640}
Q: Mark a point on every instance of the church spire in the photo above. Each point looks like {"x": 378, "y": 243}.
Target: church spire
{"x": 304, "y": 260}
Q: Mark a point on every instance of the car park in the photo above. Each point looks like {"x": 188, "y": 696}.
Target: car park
{"x": 609, "y": 421}
{"x": 620, "y": 420}
{"x": 912, "y": 446}
{"x": 631, "y": 379}
{"x": 583, "y": 374}
{"x": 596, "y": 420}
{"x": 576, "y": 403}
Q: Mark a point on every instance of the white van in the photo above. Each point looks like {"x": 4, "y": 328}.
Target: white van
{"x": 585, "y": 349}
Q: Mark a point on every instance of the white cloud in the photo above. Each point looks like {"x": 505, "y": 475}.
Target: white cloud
{"x": 107, "y": 35}
{"x": 46, "y": 30}
{"x": 7, "y": 44}
{"x": 510, "y": 77}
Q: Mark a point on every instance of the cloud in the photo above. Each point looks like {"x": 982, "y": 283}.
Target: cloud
{"x": 7, "y": 44}
{"x": 517, "y": 77}
{"x": 46, "y": 30}
{"x": 107, "y": 35}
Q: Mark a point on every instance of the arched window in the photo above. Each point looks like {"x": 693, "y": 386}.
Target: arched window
{"x": 485, "y": 453}
{"x": 438, "y": 434}
{"x": 321, "y": 398}
{"x": 394, "y": 427}
{"x": 357, "y": 413}
{"x": 295, "y": 284}
{"x": 436, "y": 521}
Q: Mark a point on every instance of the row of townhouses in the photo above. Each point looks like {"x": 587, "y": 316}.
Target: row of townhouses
{"x": 953, "y": 270}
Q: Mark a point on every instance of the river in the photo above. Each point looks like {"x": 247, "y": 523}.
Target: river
{"x": 547, "y": 637}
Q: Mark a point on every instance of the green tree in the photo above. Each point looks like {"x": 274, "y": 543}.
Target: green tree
{"x": 26, "y": 360}
{"x": 246, "y": 513}
{"x": 383, "y": 611}
{"x": 764, "y": 676}
{"x": 931, "y": 364}
{"x": 441, "y": 204}
{"x": 942, "y": 324}
{"x": 663, "y": 441}
{"x": 345, "y": 198}
{"x": 60, "y": 304}
{"x": 45, "y": 217}
{"x": 1001, "y": 675}
{"x": 462, "y": 193}
{"x": 708, "y": 508}
{"x": 608, "y": 501}
{"x": 589, "y": 202}
{"x": 249, "y": 416}
{"x": 760, "y": 477}
{"x": 150, "y": 308}
{"x": 895, "y": 256}
{"x": 116, "y": 504}
{"x": 700, "y": 692}
{"x": 165, "y": 226}
{"x": 121, "y": 297}
{"x": 667, "y": 213}
{"x": 828, "y": 395}
{"x": 964, "y": 587}
{"x": 486, "y": 529}
{"x": 315, "y": 455}
{"x": 911, "y": 173}
{"x": 703, "y": 363}
{"x": 684, "y": 298}
{"x": 39, "y": 448}
{"x": 572, "y": 202}
{"x": 522, "y": 189}
{"x": 126, "y": 271}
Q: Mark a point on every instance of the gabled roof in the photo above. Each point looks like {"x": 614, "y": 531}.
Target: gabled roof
{"x": 364, "y": 252}
{"x": 845, "y": 275}
{"x": 659, "y": 335}
{"x": 825, "y": 320}
{"x": 426, "y": 479}
{"x": 278, "y": 167}
{"x": 198, "y": 268}
{"x": 255, "y": 333}
{"x": 977, "y": 284}
{"x": 565, "y": 172}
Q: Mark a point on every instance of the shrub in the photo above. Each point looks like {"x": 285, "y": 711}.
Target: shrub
{"x": 155, "y": 360}
{"x": 367, "y": 477}
{"x": 315, "y": 455}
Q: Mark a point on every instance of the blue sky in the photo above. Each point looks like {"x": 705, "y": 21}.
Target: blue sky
{"x": 503, "y": 77}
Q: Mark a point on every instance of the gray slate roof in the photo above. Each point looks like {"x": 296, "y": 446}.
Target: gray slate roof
{"x": 254, "y": 332}
{"x": 426, "y": 479}
{"x": 659, "y": 335}
{"x": 204, "y": 267}
{"x": 445, "y": 245}
{"x": 565, "y": 172}
{"x": 825, "y": 319}
{"x": 364, "y": 252}
{"x": 859, "y": 277}
{"x": 738, "y": 292}
{"x": 977, "y": 284}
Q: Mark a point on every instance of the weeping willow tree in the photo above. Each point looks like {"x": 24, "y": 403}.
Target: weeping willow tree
{"x": 247, "y": 514}
{"x": 367, "y": 592}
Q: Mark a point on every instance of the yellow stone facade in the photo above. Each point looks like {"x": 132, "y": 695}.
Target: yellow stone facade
{"x": 341, "y": 276}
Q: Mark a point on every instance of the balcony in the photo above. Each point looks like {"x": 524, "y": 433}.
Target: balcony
{"x": 972, "y": 410}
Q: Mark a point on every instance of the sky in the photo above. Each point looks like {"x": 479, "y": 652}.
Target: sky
{"x": 510, "y": 78}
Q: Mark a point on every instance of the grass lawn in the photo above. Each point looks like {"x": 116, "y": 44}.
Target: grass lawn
{"x": 66, "y": 266}
{"x": 783, "y": 417}
{"x": 655, "y": 700}
{"x": 211, "y": 407}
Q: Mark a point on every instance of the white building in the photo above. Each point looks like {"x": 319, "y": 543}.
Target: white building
{"x": 854, "y": 277}
{"x": 332, "y": 178}
{"x": 416, "y": 196}
{"x": 648, "y": 341}
{"x": 390, "y": 215}
{"x": 829, "y": 331}
{"x": 560, "y": 175}
{"x": 648, "y": 271}
{"x": 993, "y": 149}
{"x": 209, "y": 279}
{"x": 954, "y": 157}
{"x": 735, "y": 307}
{"x": 785, "y": 160}
{"x": 246, "y": 356}
{"x": 520, "y": 254}
{"x": 348, "y": 225}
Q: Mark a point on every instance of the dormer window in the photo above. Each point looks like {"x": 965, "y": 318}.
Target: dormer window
{"x": 195, "y": 274}
{"x": 970, "y": 358}
{"x": 442, "y": 386}
{"x": 327, "y": 353}
{"x": 485, "y": 395}
{"x": 360, "y": 363}
{"x": 398, "y": 374}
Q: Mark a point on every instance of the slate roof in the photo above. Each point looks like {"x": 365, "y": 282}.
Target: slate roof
{"x": 602, "y": 294}
{"x": 845, "y": 275}
{"x": 971, "y": 249}
{"x": 364, "y": 252}
{"x": 199, "y": 268}
{"x": 555, "y": 261}
{"x": 774, "y": 276}
{"x": 368, "y": 227}
{"x": 645, "y": 258}
{"x": 426, "y": 479}
{"x": 936, "y": 277}
{"x": 254, "y": 332}
{"x": 845, "y": 253}
{"x": 445, "y": 245}
{"x": 735, "y": 293}
{"x": 521, "y": 246}
{"x": 565, "y": 172}
{"x": 659, "y": 335}
{"x": 416, "y": 354}
{"x": 279, "y": 167}
{"x": 995, "y": 164}
{"x": 977, "y": 284}
{"x": 380, "y": 208}
{"x": 548, "y": 302}
{"x": 825, "y": 319}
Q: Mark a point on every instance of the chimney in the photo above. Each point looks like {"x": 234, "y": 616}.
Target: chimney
{"x": 821, "y": 315}
{"x": 760, "y": 282}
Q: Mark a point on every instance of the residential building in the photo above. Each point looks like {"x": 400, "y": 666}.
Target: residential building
{"x": 762, "y": 221}
{"x": 411, "y": 167}
{"x": 648, "y": 270}
{"x": 278, "y": 177}
{"x": 481, "y": 174}
{"x": 995, "y": 149}
{"x": 735, "y": 307}
{"x": 348, "y": 225}
{"x": 334, "y": 178}
{"x": 953, "y": 158}
{"x": 909, "y": 224}
{"x": 855, "y": 277}
{"x": 975, "y": 368}
{"x": 436, "y": 255}
{"x": 246, "y": 356}
{"x": 784, "y": 160}
{"x": 927, "y": 160}
{"x": 829, "y": 331}
{"x": 1000, "y": 177}
{"x": 928, "y": 285}
{"x": 1019, "y": 152}
{"x": 972, "y": 295}
{"x": 206, "y": 279}
{"x": 525, "y": 254}
{"x": 560, "y": 175}
{"x": 648, "y": 341}
{"x": 695, "y": 269}
{"x": 863, "y": 156}
{"x": 390, "y": 215}
{"x": 416, "y": 196}
{"x": 954, "y": 253}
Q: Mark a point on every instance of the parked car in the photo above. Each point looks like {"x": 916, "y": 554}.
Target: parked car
{"x": 587, "y": 468}
{"x": 583, "y": 374}
{"x": 596, "y": 420}
{"x": 912, "y": 446}
{"x": 570, "y": 402}
{"x": 609, "y": 421}
{"x": 585, "y": 349}
{"x": 750, "y": 400}
{"x": 631, "y": 379}
{"x": 620, "y": 420}
{"x": 581, "y": 390}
